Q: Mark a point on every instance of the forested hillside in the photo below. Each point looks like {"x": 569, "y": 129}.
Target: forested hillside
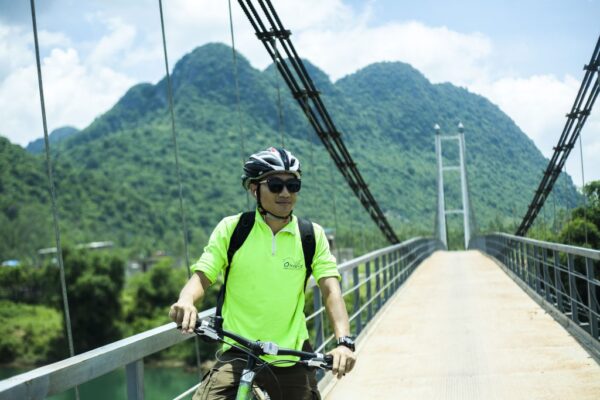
{"x": 117, "y": 180}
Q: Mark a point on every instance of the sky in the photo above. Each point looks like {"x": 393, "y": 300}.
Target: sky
{"x": 526, "y": 56}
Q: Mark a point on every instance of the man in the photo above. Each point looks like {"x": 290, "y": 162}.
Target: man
{"x": 264, "y": 297}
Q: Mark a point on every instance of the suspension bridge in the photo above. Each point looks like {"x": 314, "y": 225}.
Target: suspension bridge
{"x": 509, "y": 317}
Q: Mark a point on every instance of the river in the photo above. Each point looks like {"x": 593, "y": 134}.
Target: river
{"x": 159, "y": 384}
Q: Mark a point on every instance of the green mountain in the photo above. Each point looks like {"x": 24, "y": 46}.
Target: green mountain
{"x": 117, "y": 178}
{"x": 37, "y": 146}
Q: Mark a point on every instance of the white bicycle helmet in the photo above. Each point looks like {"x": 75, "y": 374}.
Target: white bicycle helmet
{"x": 268, "y": 162}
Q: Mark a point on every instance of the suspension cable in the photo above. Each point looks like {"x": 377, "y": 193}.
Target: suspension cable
{"x": 177, "y": 167}
{"x": 304, "y": 91}
{"x": 52, "y": 190}
{"x": 237, "y": 96}
{"x": 582, "y": 106}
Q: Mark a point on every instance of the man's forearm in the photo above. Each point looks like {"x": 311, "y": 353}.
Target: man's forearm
{"x": 194, "y": 288}
{"x": 335, "y": 306}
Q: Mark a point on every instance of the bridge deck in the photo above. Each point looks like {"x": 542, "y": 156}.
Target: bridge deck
{"x": 462, "y": 329}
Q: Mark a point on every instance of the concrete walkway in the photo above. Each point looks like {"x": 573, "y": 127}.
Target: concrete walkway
{"x": 462, "y": 329}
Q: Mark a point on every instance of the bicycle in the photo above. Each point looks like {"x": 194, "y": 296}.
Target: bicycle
{"x": 211, "y": 329}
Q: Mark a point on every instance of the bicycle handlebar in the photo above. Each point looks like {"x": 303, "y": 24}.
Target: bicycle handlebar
{"x": 210, "y": 328}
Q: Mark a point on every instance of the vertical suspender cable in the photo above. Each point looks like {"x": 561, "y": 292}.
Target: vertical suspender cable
{"x": 52, "y": 191}
{"x": 544, "y": 223}
{"x": 567, "y": 212}
{"x": 583, "y": 190}
{"x": 237, "y": 96}
{"x": 177, "y": 168}
{"x": 334, "y": 205}
{"x": 174, "y": 135}
{"x": 279, "y": 108}
{"x": 554, "y": 225}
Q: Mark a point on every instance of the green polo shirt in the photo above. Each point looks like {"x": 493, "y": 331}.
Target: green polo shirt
{"x": 265, "y": 286}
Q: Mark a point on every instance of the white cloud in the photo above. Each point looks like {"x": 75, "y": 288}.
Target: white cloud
{"x": 75, "y": 90}
{"x": 14, "y": 52}
{"x": 443, "y": 55}
{"x": 53, "y": 39}
{"x": 115, "y": 44}
{"x": 537, "y": 104}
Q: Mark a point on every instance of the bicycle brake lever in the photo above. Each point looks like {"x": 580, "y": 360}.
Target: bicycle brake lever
{"x": 318, "y": 363}
{"x": 206, "y": 332}
{"x": 321, "y": 361}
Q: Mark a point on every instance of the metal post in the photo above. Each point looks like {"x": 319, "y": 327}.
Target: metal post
{"x": 530, "y": 266}
{"x": 397, "y": 281}
{"x": 538, "y": 272}
{"x": 558, "y": 282}
{"x": 377, "y": 283}
{"x": 572, "y": 288}
{"x": 522, "y": 261}
{"x": 402, "y": 263}
{"x": 135, "y": 380}
{"x": 317, "y": 304}
{"x": 547, "y": 282}
{"x": 441, "y": 201}
{"x": 369, "y": 284}
{"x": 386, "y": 272}
{"x": 357, "y": 300}
{"x": 511, "y": 256}
{"x": 463, "y": 183}
{"x": 592, "y": 300}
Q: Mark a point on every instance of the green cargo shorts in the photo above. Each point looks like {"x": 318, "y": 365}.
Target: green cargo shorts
{"x": 293, "y": 383}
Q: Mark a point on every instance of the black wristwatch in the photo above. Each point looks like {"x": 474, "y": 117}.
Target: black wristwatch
{"x": 347, "y": 341}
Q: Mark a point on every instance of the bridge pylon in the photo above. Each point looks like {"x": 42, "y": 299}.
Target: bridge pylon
{"x": 442, "y": 212}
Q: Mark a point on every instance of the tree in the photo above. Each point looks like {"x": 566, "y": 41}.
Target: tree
{"x": 584, "y": 228}
{"x": 94, "y": 284}
{"x": 28, "y": 333}
{"x": 574, "y": 232}
{"x": 592, "y": 193}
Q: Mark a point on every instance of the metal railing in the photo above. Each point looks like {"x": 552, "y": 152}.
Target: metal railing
{"x": 375, "y": 277}
{"x": 566, "y": 277}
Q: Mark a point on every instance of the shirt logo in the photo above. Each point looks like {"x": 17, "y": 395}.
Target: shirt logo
{"x": 290, "y": 264}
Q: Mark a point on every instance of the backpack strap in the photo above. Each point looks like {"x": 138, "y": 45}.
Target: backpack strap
{"x": 307, "y": 235}
{"x": 238, "y": 237}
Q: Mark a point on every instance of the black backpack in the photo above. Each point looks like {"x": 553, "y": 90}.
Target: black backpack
{"x": 239, "y": 236}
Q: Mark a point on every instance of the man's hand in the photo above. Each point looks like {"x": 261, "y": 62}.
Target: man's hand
{"x": 343, "y": 361}
{"x": 184, "y": 313}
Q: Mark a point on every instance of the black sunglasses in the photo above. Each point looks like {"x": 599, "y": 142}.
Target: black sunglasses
{"x": 276, "y": 185}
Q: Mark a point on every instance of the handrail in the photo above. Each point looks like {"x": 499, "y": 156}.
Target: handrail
{"x": 393, "y": 264}
{"x": 62, "y": 375}
{"x": 579, "y": 251}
